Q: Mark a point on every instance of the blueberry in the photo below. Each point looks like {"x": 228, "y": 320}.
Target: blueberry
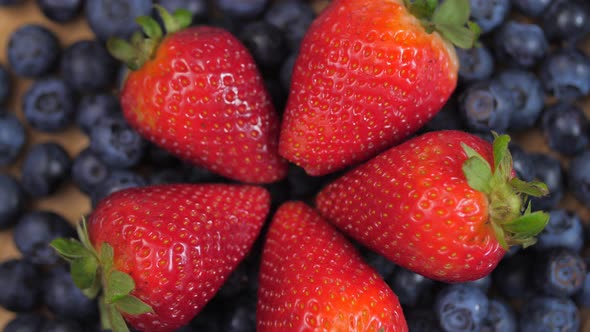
{"x": 286, "y": 71}
{"x": 87, "y": 66}
{"x": 115, "y": 18}
{"x": 196, "y": 174}
{"x": 278, "y": 95}
{"x": 512, "y": 276}
{"x": 49, "y": 105}
{"x": 484, "y": 283}
{"x": 293, "y": 17}
{"x": 210, "y": 318}
{"x": 549, "y": 314}
{"x": 12, "y": 138}
{"x": 476, "y": 63}
{"x": 531, "y": 8}
{"x": 167, "y": 175}
{"x": 241, "y": 9}
{"x": 447, "y": 118}
{"x": 461, "y": 307}
{"x": 117, "y": 180}
{"x": 302, "y": 185}
{"x": 566, "y": 74}
{"x": 88, "y": 171}
{"x": 96, "y": 106}
{"x": 421, "y": 319}
{"x": 564, "y": 230}
{"x": 33, "y": 51}
{"x": 61, "y": 325}
{"x": 579, "y": 177}
{"x": 382, "y": 265}
{"x": 410, "y": 287}
{"x": 242, "y": 281}
{"x": 241, "y": 316}
{"x": 549, "y": 171}
{"x": 21, "y": 286}
{"x": 583, "y": 296}
{"x": 158, "y": 157}
{"x": 60, "y": 10}
{"x": 64, "y": 299}
{"x": 10, "y": 2}
{"x": 45, "y": 168}
{"x": 34, "y": 232}
{"x": 265, "y": 43}
{"x": 5, "y": 85}
{"x": 489, "y": 14}
{"x": 566, "y": 128}
{"x": 12, "y": 201}
{"x": 522, "y": 163}
{"x": 501, "y": 318}
{"x": 529, "y": 97}
{"x": 26, "y": 322}
{"x": 522, "y": 44}
{"x": 566, "y": 20}
{"x": 198, "y": 8}
{"x": 116, "y": 143}
{"x": 487, "y": 106}
{"x": 559, "y": 272}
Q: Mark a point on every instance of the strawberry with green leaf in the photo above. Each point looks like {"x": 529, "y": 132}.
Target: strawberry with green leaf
{"x": 156, "y": 255}
{"x": 369, "y": 73}
{"x": 445, "y": 204}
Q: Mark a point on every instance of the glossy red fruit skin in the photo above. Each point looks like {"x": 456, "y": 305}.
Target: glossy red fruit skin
{"x": 367, "y": 76}
{"x": 178, "y": 242}
{"x": 412, "y": 204}
{"x": 202, "y": 98}
{"x": 311, "y": 275}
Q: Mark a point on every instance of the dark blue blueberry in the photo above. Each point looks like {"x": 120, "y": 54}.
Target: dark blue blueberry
{"x": 410, "y": 287}
{"x": 199, "y": 8}
{"x": 46, "y": 166}
{"x": 461, "y": 307}
{"x": 293, "y": 17}
{"x": 117, "y": 180}
{"x": 33, "y": 51}
{"x": 382, "y": 265}
{"x": 49, "y": 105}
{"x": 487, "y": 106}
{"x": 64, "y": 299}
{"x": 242, "y": 281}
{"x": 489, "y": 14}
{"x": 501, "y": 318}
{"x": 12, "y": 201}
{"x": 549, "y": 314}
{"x": 93, "y": 107}
{"x": 26, "y": 322}
{"x": 559, "y": 272}
{"x": 10, "y": 2}
{"x": 566, "y": 74}
{"x": 167, "y": 175}
{"x": 579, "y": 177}
{"x": 211, "y": 317}
{"x": 476, "y": 63}
{"x": 241, "y": 316}
{"x": 302, "y": 185}
{"x": 566, "y": 128}
{"x": 5, "y": 85}
{"x": 34, "y": 232}
{"x": 522, "y": 163}
{"x": 242, "y": 9}
{"x": 421, "y": 320}
{"x": 116, "y": 143}
{"x": 484, "y": 283}
{"x": 529, "y": 97}
{"x": 278, "y": 95}
{"x": 521, "y": 44}
{"x": 196, "y": 174}
{"x": 157, "y": 157}
{"x": 87, "y": 66}
{"x": 278, "y": 193}
{"x": 265, "y": 43}
{"x": 89, "y": 171}
{"x": 61, "y": 325}
{"x": 549, "y": 171}
{"x": 12, "y": 138}
{"x": 60, "y": 10}
{"x": 564, "y": 230}
{"x": 445, "y": 119}
{"x": 531, "y": 8}
{"x": 286, "y": 71}
{"x": 583, "y": 296}
{"x": 512, "y": 276}
{"x": 566, "y": 20}
{"x": 21, "y": 286}
{"x": 115, "y": 18}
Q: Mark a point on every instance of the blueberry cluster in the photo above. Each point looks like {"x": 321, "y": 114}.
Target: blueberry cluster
{"x": 529, "y": 74}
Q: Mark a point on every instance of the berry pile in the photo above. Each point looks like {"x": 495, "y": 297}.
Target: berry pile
{"x": 275, "y": 165}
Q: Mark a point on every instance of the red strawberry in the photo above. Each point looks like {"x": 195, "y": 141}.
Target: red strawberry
{"x": 197, "y": 93}
{"x": 160, "y": 253}
{"x": 370, "y": 73}
{"x": 313, "y": 279}
{"x": 444, "y": 204}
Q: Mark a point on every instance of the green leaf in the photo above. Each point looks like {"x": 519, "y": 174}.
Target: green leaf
{"x": 93, "y": 291}
{"x": 70, "y": 248}
{"x": 150, "y": 27}
{"x": 533, "y": 188}
{"x": 118, "y": 285}
{"x": 452, "y": 12}
{"x": 478, "y": 174}
{"x": 132, "y": 305}
{"x": 500, "y": 148}
{"x": 105, "y": 322}
{"x": 470, "y": 152}
{"x": 83, "y": 271}
{"x": 116, "y": 320}
{"x": 106, "y": 256}
{"x": 459, "y": 36}
{"x": 422, "y": 9}
{"x": 500, "y": 236}
{"x": 183, "y": 17}
{"x": 528, "y": 225}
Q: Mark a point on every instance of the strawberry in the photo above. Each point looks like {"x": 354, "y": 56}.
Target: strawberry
{"x": 160, "y": 253}
{"x": 197, "y": 93}
{"x": 370, "y": 73}
{"x": 445, "y": 204}
{"x": 313, "y": 279}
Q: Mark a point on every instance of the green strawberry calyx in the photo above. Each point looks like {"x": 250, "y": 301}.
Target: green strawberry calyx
{"x": 143, "y": 44}
{"x": 510, "y": 213}
{"x": 93, "y": 272}
{"x": 450, "y": 19}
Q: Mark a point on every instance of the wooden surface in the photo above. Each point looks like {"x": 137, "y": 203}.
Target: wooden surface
{"x": 68, "y": 201}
